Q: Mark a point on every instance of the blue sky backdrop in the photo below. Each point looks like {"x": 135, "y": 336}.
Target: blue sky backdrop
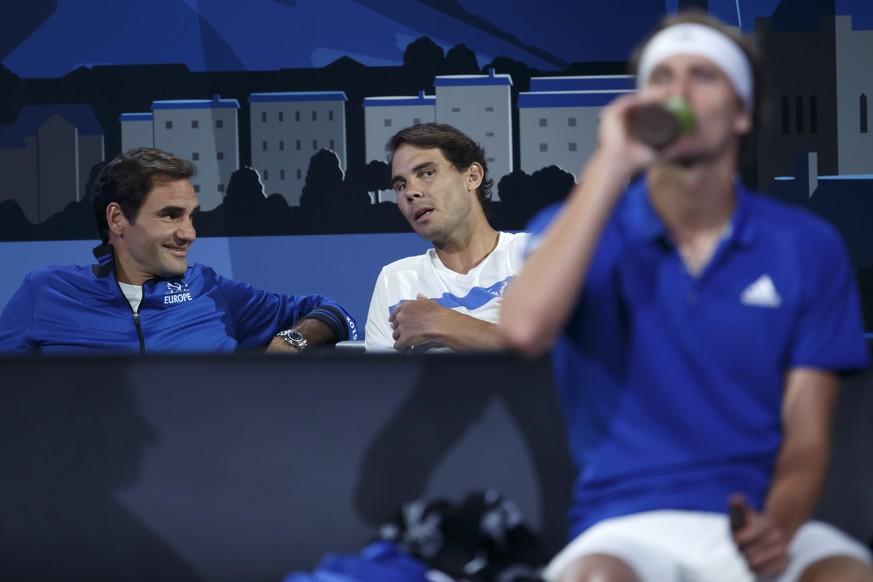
{"x": 50, "y": 38}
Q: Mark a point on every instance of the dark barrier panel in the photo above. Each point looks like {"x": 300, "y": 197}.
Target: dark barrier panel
{"x": 247, "y": 467}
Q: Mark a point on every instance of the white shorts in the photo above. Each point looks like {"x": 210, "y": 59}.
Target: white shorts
{"x": 686, "y": 546}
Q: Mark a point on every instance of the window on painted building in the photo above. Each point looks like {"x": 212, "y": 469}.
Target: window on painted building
{"x": 195, "y": 156}
{"x": 786, "y": 116}
{"x": 490, "y": 160}
{"x": 813, "y": 115}
{"x": 416, "y": 120}
{"x": 298, "y": 145}
{"x": 456, "y": 109}
{"x": 169, "y": 125}
{"x": 264, "y": 145}
{"x": 296, "y": 116}
{"x": 299, "y": 174}
{"x": 314, "y": 116}
{"x": 197, "y": 187}
{"x": 264, "y": 116}
{"x": 330, "y": 115}
{"x": 573, "y": 146}
{"x": 266, "y": 174}
{"x": 221, "y": 187}
{"x": 544, "y": 147}
{"x": 281, "y": 116}
{"x": 387, "y": 123}
{"x": 281, "y": 145}
{"x": 314, "y": 144}
{"x": 195, "y": 124}
{"x": 863, "y": 119}
{"x": 798, "y": 114}
{"x": 489, "y": 134}
{"x": 489, "y": 109}
{"x": 332, "y": 145}
{"x": 544, "y": 122}
{"x": 219, "y": 123}
{"x": 571, "y": 122}
{"x": 281, "y": 174}
{"x": 220, "y": 155}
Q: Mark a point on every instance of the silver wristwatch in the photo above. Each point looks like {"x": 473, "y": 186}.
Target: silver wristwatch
{"x": 293, "y": 338}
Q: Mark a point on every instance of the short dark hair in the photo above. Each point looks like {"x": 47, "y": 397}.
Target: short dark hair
{"x": 457, "y": 147}
{"x": 745, "y": 43}
{"x": 129, "y": 178}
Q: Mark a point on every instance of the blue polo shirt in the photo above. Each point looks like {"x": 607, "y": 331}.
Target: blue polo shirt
{"x": 671, "y": 384}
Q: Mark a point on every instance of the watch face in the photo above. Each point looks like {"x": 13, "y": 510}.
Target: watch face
{"x": 295, "y": 338}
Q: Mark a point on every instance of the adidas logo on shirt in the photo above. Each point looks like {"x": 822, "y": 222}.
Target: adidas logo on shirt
{"x": 761, "y": 293}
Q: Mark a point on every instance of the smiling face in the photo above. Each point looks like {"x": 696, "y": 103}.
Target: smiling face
{"x": 156, "y": 242}
{"x": 720, "y": 117}
{"x": 438, "y": 200}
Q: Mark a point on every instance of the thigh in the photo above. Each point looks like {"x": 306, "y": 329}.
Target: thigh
{"x": 662, "y": 546}
{"x": 816, "y": 541}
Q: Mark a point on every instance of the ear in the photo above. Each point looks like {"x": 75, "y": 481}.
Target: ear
{"x": 115, "y": 218}
{"x": 743, "y": 123}
{"x": 475, "y": 175}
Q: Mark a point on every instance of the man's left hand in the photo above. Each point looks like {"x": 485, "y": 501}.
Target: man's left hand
{"x": 763, "y": 543}
{"x": 416, "y": 322}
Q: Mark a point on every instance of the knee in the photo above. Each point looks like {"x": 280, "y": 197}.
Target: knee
{"x": 838, "y": 569}
{"x": 598, "y": 568}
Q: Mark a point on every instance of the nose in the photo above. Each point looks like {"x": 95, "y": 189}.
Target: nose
{"x": 680, "y": 87}
{"x": 412, "y": 192}
{"x": 186, "y": 231}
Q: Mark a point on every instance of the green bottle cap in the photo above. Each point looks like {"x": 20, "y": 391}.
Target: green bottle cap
{"x": 684, "y": 114}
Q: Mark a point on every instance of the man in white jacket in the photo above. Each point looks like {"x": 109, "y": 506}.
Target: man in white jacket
{"x": 449, "y": 297}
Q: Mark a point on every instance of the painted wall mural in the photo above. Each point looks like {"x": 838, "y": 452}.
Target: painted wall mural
{"x": 285, "y": 105}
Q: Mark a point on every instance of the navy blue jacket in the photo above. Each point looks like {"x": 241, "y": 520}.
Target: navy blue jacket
{"x": 81, "y": 309}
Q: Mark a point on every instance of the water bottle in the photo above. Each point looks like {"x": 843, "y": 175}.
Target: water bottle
{"x": 660, "y": 124}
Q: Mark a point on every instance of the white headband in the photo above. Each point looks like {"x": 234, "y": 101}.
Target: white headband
{"x": 689, "y": 38}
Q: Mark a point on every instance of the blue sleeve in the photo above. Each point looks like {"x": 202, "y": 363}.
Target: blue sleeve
{"x": 16, "y": 321}
{"x": 830, "y": 329}
{"x": 257, "y": 314}
{"x": 538, "y": 225}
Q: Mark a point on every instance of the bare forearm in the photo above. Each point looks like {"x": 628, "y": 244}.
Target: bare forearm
{"x": 538, "y": 303}
{"x": 315, "y": 332}
{"x": 461, "y": 332}
{"x": 801, "y": 466}
{"x": 796, "y": 488}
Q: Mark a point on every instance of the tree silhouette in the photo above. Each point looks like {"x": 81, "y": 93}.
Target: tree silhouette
{"x": 523, "y": 195}
{"x": 324, "y": 181}
{"x": 519, "y": 71}
{"x": 245, "y": 203}
{"x": 550, "y": 185}
{"x": 422, "y": 61}
{"x": 460, "y": 60}
{"x": 377, "y": 177}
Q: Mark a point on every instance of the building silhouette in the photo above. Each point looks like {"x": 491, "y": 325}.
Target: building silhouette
{"x": 819, "y": 87}
{"x": 481, "y": 107}
{"x": 385, "y": 116}
{"x": 46, "y": 157}
{"x": 287, "y": 129}
{"x": 557, "y": 119}
{"x": 205, "y": 131}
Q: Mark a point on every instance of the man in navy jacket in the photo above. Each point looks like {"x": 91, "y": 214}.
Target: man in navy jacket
{"x": 142, "y": 296}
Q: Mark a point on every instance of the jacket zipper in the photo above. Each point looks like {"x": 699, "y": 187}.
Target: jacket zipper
{"x": 139, "y": 332}
{"x": 135, "y": 313}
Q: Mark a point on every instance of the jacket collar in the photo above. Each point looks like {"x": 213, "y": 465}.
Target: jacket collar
{"x": 105, "y": 256}
{"x": 644, "y": 224}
